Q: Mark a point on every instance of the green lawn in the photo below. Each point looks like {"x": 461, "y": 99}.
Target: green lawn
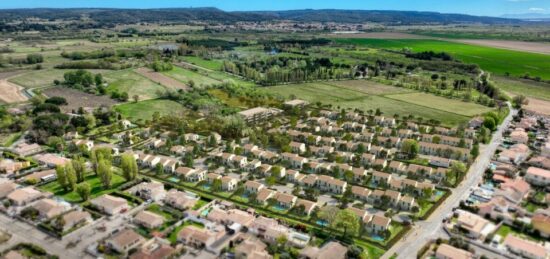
{"x": 184, "y": 76}
{"x": 134, "y": 84}
{"x": 144, "y": 110}
{"x": 347, "y": 98}
{"x": 528, "y": 88}
{"x": 442, "y": 103}
{"x": 92, "y": 180}
{"x": 212, "y": 64}
{"x": 495, "y": 60}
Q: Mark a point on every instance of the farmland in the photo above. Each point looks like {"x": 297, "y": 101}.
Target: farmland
{"x": 441, "y": 103}
{"x": 77, "y": 99}
{"x": 340, "y": 97}
{"x": 499, "y": 61}
{"x": 134, "y": 84}
{"x": 161, "y": 79}
{"x": 527, "y": 88}
{"x": 144, "y": 110}
{"x": 184, "y": 76}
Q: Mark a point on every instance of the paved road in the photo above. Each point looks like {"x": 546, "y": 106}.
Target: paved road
{"x": 424, "y": 231}
{"x": 23, "y": 232}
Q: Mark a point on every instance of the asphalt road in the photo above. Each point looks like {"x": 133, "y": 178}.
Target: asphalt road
{"x": 423, "y": 231}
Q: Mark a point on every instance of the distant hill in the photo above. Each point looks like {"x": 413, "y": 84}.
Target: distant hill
{"x": 107, "y": 16}
{"x": 528, "y": 16}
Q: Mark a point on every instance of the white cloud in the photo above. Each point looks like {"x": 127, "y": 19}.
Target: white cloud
{"x": 537, "y": 9}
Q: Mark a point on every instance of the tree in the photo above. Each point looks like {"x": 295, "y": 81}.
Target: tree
{"x": 34, "y": 58}
{"x": 519, "y": 100}
{"x": 410, "y": 147}
{"x": 328, "y": 213}
{"x": 102, "y": 153}
{"x": 79, "y": 168}
{"x": 83, "y": 190}
{"x": 489, "y": 122}
{"x": 56, "y": 143}
{"x": 135, "y": 97}
{"x": 129, "y": 166}
{"x": 348, "y": 221}
{"x": 216, "y": 185}
{"x": 62, "y": 177}
{"x": 104, "y": 172}
{"x": 71, "y": 176}
{"x": 458, "y": 169}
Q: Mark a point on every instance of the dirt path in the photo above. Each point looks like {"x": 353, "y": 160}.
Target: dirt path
{"x": 10, "y": 92}
{"x": 161, "y": 79}
{"x": 533, "y": 47}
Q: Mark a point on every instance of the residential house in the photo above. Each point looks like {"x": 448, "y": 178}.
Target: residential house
{"x": 48, "y": 208}
{"x": 75, "y": 218}
{"x": 149, "y": 219}
{"x": 537, "y": 176}
{"x": 525, "y": 248}
{"x": 149, "y": 191}
{"x": 445, "y": 251}
{"x": 24, "y": 196}
{"x": 474, "y": 225}
{"x": 179, "y": 200}
{"x": 125, "y": 240}
{"x": 110, "y": 205}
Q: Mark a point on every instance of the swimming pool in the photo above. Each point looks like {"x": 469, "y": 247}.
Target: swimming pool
{"x": 322, "y": 223}
{"x": 174, "y": 179}
{"x": 377, "y": 238}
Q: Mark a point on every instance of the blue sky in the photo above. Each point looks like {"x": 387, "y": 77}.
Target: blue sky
{"x": 475, "y": 7}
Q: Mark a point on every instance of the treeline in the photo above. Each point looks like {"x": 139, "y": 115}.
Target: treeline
{"x": 212, "y": 43}
{"x": 100, "y": 64}
{"x": 276, "y": 75}
{"x": 430, "y": 55}
{"x": 104, "y": 53}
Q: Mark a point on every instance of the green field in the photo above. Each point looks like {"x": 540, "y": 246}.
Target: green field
{"x": 495, "y": 60}
{"x": 38, "y": 78}
{"x": 442, "y": 103}
{"x": 92, "y": 180}
{"x": 527, "y": 88}
{"x": 208, "y": 64}
{"x": 346, "y": 98}
{"x": 134, "y": 84}
{"x": 370, "y": 87}
{"x": 144, "y": 110}
{"x": 184, "y": 76}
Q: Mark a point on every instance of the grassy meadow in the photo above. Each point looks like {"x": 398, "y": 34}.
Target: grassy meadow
{"x": 144, "y": 110}
{"x": 499, "y": 61}
{"x": 341, "y": 97}
{"x": 134, "y": 84}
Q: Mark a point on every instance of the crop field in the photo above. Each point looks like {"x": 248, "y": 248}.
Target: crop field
{"x": 369, "y": 87}
{"x": 442, "y": 103}
{"x": 144, "y": 110}
{"x": 184, "y": 76}
{"x": 525, "y": 87}
{"x": 10, "y": 92}
{"x": 340, "y": 97}
{"x": 161, "y": 79}
{"x": 38, "y": 78}
{"x": 499, "y": 61}
{"x": 208, "y": 64}
{"x": 134, "y": 84}
{"x": 77, "y": 99}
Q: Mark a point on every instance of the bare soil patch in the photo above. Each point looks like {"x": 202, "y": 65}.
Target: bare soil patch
{"x": 11, "y": 93}
{"x": 534, "y": 47}
{"x": 538, "y": 106}
{"x": 161, "y": 79}
{"x": 77, "y": 99}
{"x": 377, "y": 35}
